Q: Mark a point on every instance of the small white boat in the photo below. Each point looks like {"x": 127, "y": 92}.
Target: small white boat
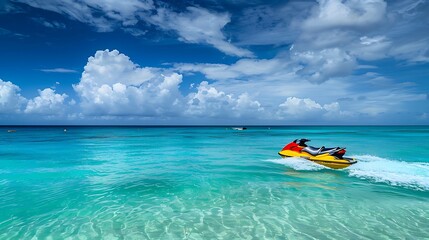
{"x": 239, "y": 128}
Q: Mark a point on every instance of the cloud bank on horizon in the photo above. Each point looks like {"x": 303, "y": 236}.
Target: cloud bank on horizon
{"x": 297, "y": 62}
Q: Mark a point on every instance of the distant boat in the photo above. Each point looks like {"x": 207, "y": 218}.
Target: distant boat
{"x": 239, "y": 128}
{"x": 11, "y": 131}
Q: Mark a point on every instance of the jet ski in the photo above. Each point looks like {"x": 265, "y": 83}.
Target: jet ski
{"x": 329, "y": 157}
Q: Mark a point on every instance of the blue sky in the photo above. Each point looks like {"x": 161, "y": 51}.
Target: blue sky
{"x": 214, "y": 62}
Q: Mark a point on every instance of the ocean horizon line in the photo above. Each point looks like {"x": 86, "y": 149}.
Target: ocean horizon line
{"x": 215, "y": 125}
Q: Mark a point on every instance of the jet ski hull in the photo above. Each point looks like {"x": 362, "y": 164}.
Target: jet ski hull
{"x": 322, "y": 159}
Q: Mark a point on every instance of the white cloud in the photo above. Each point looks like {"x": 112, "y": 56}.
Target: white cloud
{"x": 195, "y": 25}
{"x": 75, "y": 10}
{"x": 243, "y": 68}
{"x": 58, "y": 70}
{"x": 407, "y": 29}
{"x": 199, "y": 25}
{"x": 384, "y": 101}
{"x": 276, "y": 25}
{"x": 47, "y": 103}
{"x": 294, "y": 107}
{"x": 367, "y": 30}
{"x": 125, "y": 13}
{"x": 328, "y": 38}
{"x": 136, "y": 32}
{"x": 49, "y": 24}
{"x": 416, "y": 51}
{"x": 371, "y": 48}
{"x": 304, "y": 108}
{"x": 11, "y": 100}
{"x": 113, "y": 85}
{"x": 54, "y": 24}
{"x": 370, "y": 95}
{"x": 337, "y": 34}
{"x": 111, "y": 66}
{"x": 350, "y": 13}
{"x": 245, "y": 106}
{"x": 322, "y": 65}
{"x": 310, "y": 26}
{"x": 209, "y": 102}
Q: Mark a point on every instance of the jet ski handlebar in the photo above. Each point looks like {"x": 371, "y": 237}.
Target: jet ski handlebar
{"x": 301, "y": 140}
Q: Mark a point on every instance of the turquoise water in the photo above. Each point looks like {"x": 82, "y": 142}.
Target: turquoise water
{"x": 211, "y": 183}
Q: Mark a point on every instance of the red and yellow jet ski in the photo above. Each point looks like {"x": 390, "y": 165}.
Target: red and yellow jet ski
{"x": 329, "y": 157}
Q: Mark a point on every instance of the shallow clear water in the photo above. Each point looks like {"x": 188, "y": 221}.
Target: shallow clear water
{"x": 211, "y": 183}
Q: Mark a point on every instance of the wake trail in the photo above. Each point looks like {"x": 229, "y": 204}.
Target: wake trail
{"x": 413, "y": 175}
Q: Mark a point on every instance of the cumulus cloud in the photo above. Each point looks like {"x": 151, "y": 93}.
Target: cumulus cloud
{"x": 301, "y": 108}
{"x": 210, "y": 102}
{"x": 247, "y": 107}
{"x": 11, "y": 100}
{"x": 47, "y": 103}
{"x": 113, "y": 85}
{"x": 296, "y": 106}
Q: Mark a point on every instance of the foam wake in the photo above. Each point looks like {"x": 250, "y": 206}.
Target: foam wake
{"x": 413, "y": 175}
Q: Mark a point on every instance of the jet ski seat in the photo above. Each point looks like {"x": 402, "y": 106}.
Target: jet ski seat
{"x": 313, "y": 150}
{"x": 316, "y": 151}
{"x": 329, "y": 149}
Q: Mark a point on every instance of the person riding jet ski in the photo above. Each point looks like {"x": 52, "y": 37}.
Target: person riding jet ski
{"x": 330, "y": 157}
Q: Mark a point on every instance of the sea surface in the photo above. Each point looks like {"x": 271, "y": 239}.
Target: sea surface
{"x": 211, "y": 183}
